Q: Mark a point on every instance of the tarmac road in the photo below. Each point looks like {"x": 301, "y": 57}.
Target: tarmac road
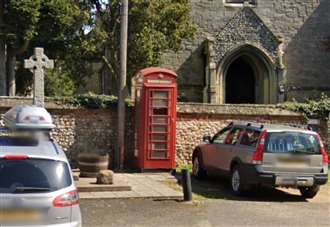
{"x": 267, "y": 208}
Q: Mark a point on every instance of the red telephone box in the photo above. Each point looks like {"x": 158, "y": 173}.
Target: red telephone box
{"x": 155, "y": 94}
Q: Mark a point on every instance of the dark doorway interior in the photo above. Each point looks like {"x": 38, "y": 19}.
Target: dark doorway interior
{"x": 240, "y": 82}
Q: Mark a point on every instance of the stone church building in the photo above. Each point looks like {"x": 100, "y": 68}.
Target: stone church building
{"x": 255, "y": 51}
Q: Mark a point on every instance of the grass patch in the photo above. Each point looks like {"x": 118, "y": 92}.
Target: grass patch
{"x": 182, "y": 167}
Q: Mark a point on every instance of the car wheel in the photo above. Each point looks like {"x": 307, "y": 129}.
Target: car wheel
{"x": 309, "y": 192}
{"x": 237, "y": 185}
{"x": 198, "y": 171}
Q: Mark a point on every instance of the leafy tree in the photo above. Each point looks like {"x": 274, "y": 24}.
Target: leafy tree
{"x": 59, "y": 83}
{"x": 56, "y": 25}
{"x": 67, "y": 30}
{"x": 62, "y": 32}
{"x": 79, "y": 32}
{"x": 154, "y": 27}
{"x": 18, "y": 26}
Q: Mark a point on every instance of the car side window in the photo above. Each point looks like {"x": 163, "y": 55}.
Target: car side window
{"x": 233, "y": 136}
{"x": 229, "y": 136}
{"x": 220, "y": 137}
{"x": 250, "y": 137}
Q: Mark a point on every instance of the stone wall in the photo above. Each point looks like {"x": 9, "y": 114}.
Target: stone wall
{"x": 303, "y": 24}
{"x": 196, "y": 120}
{"x": 80, "y": 130}
{"x": 89, "y": 130}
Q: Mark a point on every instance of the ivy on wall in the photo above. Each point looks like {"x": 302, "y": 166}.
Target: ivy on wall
{"x": 90, "y": 100}
{"x": 318, "y": 109}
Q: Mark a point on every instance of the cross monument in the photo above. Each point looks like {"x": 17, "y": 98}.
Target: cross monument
{"x": 37, "y": 63}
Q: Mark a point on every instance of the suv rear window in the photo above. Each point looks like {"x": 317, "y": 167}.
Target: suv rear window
{"x": 292, "y": 142}
{"x": 33, "y": 176}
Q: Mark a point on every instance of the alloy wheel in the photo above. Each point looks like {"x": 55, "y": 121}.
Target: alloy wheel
{"x": 196, "y": 166}
{"x": 235, "y": 180}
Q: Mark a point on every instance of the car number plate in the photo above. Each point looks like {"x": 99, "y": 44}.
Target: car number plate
{"x": 294, "y": 181}
{"x": 293, "y": 162}
{"x": 285, "y": 181}
{"x": 19, "y": 215}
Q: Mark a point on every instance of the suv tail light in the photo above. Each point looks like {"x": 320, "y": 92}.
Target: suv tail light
{"x": 259, "y": 154}
{"x": 323, "y": 151}
{"x": 66, "y": 200}
{"x": 16, "y": 157}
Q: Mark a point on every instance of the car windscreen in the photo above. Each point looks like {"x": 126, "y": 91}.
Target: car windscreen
{"x": 33, "y": 176}
{"x": 292, "y": 142}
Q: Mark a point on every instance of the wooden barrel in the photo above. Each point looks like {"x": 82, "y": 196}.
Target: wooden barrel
{"x": 91, "y": 164}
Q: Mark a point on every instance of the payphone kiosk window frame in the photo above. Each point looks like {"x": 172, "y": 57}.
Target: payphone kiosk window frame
{"x": 163, "y": 153}
{"x": 159, "y": 81}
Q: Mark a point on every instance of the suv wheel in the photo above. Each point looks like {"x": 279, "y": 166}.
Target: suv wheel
{"x": 236, "y": 181}
{"x": 309, "y": 192}
{"x": 198, "y": 171}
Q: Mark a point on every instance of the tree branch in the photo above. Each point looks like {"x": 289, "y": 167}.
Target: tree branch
{"x": 109, "y": 66}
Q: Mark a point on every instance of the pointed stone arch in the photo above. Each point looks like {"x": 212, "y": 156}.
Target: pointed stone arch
{"x": 264, "y": 73}
{"x": 247, "y": 36}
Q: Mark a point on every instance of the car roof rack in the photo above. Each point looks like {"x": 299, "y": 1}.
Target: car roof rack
{"x": 28, "y": 117}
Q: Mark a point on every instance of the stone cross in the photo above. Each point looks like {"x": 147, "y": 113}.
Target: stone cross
{"x": 37, "y": 63}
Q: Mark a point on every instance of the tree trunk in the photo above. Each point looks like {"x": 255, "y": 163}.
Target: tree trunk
{"x": 11, "y": 70}
{"x": 11, "y": 66}
{"x": 3, "y": 81}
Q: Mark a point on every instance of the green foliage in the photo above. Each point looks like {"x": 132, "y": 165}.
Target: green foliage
{"x": 80, "y": 33}
{"x": 93, "y": 101}
{"x": 154, "y": 28}
{"x": 20, "y": 21}
{"x": 182, "y": 167}
{"x": 157, "y": 26}
{"x": 319, "y": 108}
{"x": 59, "y": 83}
{"x": 67, "y": 39}
{"x": 84, "y": 51}
{"x": 60, "y": 27}
{"x": 90, "y": 100}
{"x": 59, "y": 24}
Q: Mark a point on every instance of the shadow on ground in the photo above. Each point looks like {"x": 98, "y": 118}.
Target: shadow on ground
{"x": 219, "y": 188}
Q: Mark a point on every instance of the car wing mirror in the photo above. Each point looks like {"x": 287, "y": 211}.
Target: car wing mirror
{"x": 207, "y": 139}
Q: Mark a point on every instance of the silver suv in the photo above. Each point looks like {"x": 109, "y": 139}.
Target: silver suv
{"x": 36, "y": 184}
{"x": 253, "y": 154}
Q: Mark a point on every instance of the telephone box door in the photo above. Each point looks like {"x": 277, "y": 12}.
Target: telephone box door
{"x": 160, "y": 128}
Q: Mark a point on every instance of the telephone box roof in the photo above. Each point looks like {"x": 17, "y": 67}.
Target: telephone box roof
{"x": 28, "y": 117}
{"x": 152, "y": 70}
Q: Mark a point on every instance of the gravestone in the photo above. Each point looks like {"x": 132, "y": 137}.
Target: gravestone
{"x": 37, "y": 63}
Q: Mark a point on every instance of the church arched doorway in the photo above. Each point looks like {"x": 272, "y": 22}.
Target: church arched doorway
{"x": 240, "y": 82}
{"x": 247, "y": 76}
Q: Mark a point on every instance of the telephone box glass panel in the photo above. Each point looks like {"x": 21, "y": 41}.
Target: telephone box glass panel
{"x": 159, "y": 124}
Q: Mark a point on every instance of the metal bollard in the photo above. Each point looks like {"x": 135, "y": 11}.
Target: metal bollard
{"x": 186, "y": 185}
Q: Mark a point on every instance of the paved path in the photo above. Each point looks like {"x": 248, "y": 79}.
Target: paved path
{"x": 271, "y": 209}
{"x": 152, "y": 185}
